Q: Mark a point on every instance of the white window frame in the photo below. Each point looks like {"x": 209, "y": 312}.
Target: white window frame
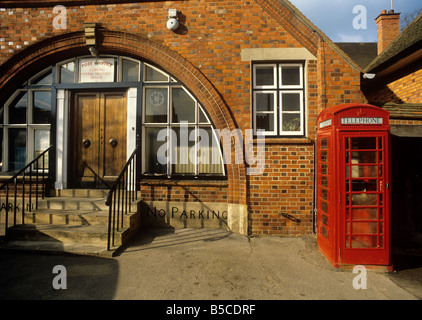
{"x": 300, "y": 112}
{"x": 274, "y": 112}
{"x": 279, "y": 89}
{"x": 300, "y": 66}
{"x": 274, "y": 86}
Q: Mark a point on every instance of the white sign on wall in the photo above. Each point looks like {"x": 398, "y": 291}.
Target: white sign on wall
{"x": 96, "y": 70}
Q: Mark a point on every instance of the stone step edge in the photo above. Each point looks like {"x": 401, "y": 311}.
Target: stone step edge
{"x": 68, "y": 234}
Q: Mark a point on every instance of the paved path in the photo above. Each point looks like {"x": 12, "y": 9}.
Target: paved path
{"x": 198, "y": 264}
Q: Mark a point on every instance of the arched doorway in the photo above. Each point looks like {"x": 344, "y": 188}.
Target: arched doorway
{"x": 52, "y": 52}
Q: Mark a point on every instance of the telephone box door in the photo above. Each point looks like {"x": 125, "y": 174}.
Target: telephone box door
{"x": 364, "y": 198}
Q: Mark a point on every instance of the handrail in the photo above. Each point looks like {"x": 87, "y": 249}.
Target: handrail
{"x": 124, "y": 193}
{"x": 32, "y": 167}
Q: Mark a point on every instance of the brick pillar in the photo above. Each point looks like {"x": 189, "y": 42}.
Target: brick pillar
{"x": 387, "y": 28}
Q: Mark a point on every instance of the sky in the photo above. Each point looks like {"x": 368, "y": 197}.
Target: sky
{"x": 344, "y": 20}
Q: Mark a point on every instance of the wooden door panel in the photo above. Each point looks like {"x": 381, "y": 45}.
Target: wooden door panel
{"x": 85, "y": 125}
{"x": 97, "y": 118}
{"x": 115, "y": 119}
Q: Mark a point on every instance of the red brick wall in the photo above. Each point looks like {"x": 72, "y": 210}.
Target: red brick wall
{"x": 403, "y": 90}
{"x": 205, "y": 54}
{"x": 338, "y": 82}
{"x": 284, "y": 187}
{"x": 192, "y": 191}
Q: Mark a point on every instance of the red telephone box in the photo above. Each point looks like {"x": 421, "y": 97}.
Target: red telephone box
{"x": 353, "y": 178}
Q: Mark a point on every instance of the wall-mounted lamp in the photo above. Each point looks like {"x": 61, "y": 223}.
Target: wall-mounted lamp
{"x": 369, "y": 76}
{"x": 173, "y": 22}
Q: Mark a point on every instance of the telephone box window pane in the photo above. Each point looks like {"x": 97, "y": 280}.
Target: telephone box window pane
{"x": 324, "y": 194}
{"x": 347, "y": 241}
{"x": 324, "y": 156}
{"x": 265, "y": 121}
{"x": 364, "y": 199}
{"x": 364, "y": 214}
{"x": 17, "y": 149}
{"x": 324, "y": 143}
{"x": 41, "y": 106}
{"x": 364, "y": 143}
{"x": 363, "y": 171}
{"x": 290, "y": 102}
{"x": 183, "y": 106}
{"x": 324, "y": 206}
{"x": 324, "y": 232}
{"x": 364, "y": 227}
{"x": 381, "y": 242}
{"x": 265, "y": 76}
{"x": 130, "y": 71}
{"x": 67, "y": 73}
{"x": 17, "y": 110}
{"x": 291, "y": 122}
{"x": 156, "y": 105}
{"x": 324, "y": 181}
{"x": 324, "y": 219}
{"x": 364, "y": 242}
{"x": 364, "y": 157}
{"x": 324, "y": 169}
{"x": 152, "y": 148}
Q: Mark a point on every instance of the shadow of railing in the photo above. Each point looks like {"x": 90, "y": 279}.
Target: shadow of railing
{"x": 154, "y": 238}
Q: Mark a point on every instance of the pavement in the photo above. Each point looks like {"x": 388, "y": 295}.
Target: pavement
{"x": 201, "y": 264}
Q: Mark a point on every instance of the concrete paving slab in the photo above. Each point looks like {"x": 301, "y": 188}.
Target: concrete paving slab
{"x": 195, "y": 264}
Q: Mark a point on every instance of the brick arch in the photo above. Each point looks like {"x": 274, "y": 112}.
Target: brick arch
{"x": 47, "y": 52}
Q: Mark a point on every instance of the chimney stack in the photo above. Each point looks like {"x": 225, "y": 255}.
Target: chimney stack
{"x": 387, "y": 28}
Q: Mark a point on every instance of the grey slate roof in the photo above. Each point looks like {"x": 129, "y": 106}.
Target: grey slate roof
{"x": 362, "y": 53}
{"x": 410, "y": 40}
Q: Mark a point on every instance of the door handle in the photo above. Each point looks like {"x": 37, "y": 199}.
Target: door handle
{"x": 86, "y": 143}
{"x": 113, "y": 142}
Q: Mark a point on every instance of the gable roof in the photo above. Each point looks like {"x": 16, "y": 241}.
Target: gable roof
{"x": 363, "y": 53}
{"x": 301, "y": 28}
{"x": 408, "y": 42}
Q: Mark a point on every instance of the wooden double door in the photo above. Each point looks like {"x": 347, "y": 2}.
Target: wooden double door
{"x": 98, "y": 122}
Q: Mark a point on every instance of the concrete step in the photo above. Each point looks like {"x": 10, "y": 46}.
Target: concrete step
{"x": 76, "y": 203}
{"x": 81, "y": 193}
{"x": 71, "y": 216}
{"x": 73, "y": 221}
{"x": 73, "y": 203}
{"x": 64, "y": 233}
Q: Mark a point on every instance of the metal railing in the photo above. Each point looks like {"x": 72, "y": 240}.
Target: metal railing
{"x": 35, "y": 170}
{"x": 120, "y": 197}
